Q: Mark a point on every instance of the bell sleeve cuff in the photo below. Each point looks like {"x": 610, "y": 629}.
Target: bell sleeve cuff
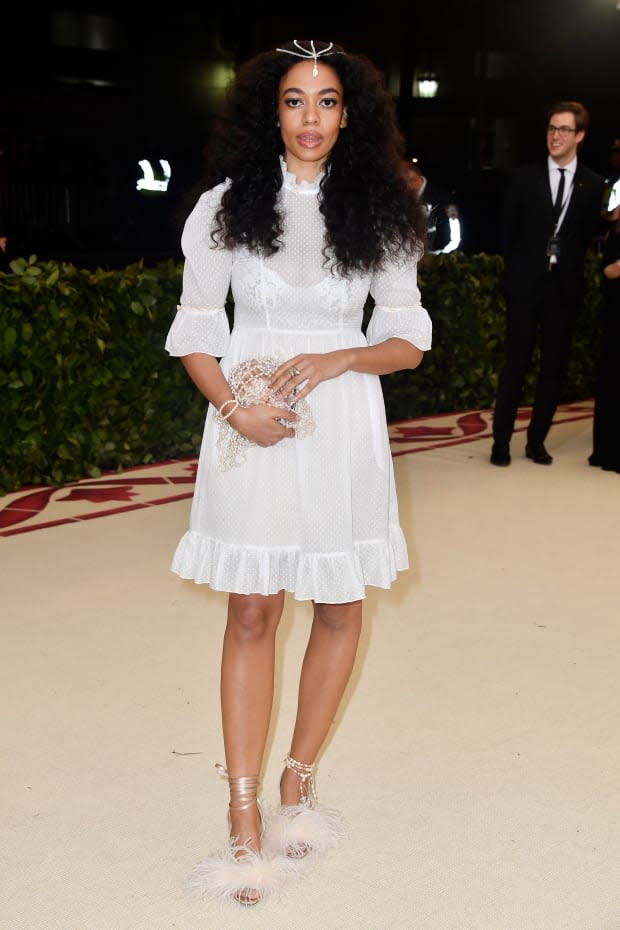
{"x": 410, "y": 323}
{"x": 198, "y": 330}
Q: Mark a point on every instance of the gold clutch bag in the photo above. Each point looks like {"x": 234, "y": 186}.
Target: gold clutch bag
{"x": 249, "y": 382}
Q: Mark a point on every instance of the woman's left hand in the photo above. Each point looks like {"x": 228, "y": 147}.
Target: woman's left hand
{"x": 304, "y": 372}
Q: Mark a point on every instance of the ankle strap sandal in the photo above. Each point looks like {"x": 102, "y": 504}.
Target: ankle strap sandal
{"x": 302, "y": 830}
{"x": 243, "y": 791}
{"x": 307, "y": 790}
{"x": 243, "y": 796}
{"x": 239, "y": 872}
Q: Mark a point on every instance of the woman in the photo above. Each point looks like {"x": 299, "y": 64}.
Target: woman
{"x": 605, "y": 430}
{"x": 305, "y": 214}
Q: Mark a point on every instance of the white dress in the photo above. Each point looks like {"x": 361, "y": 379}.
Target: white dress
{"x": 315, "y": 516}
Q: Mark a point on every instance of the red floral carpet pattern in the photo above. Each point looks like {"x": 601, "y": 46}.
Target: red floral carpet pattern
{"x": 38, "y": 507}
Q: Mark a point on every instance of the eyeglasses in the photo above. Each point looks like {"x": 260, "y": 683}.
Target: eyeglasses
{"x": 562, "y": 131}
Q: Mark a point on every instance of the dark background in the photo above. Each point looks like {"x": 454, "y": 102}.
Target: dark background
{"x": 88, "y": 89}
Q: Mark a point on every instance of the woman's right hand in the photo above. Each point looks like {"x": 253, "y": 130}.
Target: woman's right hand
{"x": 261, "y": 423}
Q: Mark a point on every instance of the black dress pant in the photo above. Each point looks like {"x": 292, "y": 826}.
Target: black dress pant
{"x": 606, "y": 422}
{"x": 550, "y": 316}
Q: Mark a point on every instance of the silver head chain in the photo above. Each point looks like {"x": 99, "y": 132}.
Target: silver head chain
{"x": 309, "y": 53}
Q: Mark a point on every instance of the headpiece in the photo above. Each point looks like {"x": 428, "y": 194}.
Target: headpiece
{"x": 310, "y": 53}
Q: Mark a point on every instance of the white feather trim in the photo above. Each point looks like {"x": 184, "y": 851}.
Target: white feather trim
{"x": 296, "y": 831}
{"x": 237, "y": 873}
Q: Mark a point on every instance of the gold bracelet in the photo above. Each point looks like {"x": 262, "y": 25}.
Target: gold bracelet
{"x": 224, "y": 416}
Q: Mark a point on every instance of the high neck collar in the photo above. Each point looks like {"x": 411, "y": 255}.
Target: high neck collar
{"x": 291, "y": 183}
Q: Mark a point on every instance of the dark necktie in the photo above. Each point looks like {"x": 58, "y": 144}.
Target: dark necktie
{"x": 559, "y": 197}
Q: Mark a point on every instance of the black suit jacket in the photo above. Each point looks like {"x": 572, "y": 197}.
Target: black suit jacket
{"x": 526, "y": 223}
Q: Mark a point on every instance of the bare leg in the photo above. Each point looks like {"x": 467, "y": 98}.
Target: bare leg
{"x": 326, "y": 669}
{"x": 246, "y": 689}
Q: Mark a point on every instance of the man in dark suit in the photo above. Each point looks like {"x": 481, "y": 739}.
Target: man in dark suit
{"x": 437, "y": 203}
{"x": 550, "y": 213}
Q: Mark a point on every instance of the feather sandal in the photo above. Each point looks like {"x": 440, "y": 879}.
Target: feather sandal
{"x": 304, "y": 829}
{"x": 238, "y": 873}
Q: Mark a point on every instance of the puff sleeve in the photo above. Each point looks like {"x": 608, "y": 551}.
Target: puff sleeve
{"x": 201, "y": 323}
{"x": 398, "y": 311}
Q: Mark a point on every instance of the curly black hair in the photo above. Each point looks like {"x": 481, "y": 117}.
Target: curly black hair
{"x": 369, "y": 210}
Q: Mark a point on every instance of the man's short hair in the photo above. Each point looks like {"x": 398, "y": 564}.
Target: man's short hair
{"x": 581, "y": 114}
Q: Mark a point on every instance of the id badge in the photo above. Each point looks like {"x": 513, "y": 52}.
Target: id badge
{"x": 553, "y": 250}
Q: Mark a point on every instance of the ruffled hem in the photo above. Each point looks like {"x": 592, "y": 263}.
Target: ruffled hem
{"x": 197, "y": 330}
{"x": 330, "y": 578}
{"x": 410, "y": 323}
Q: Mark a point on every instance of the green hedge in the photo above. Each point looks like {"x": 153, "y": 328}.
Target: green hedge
{"x": 85, "y": 382}
{"x": 87, "y": 385}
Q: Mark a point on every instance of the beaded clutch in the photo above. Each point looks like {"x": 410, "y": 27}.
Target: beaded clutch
{"x": 249, "y": 381}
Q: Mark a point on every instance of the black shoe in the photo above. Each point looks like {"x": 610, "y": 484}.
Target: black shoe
{"x": 537, "y": 453}
{"x": 500, "y": 454}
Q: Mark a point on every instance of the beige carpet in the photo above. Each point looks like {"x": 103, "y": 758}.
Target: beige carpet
{"x": 476, "y": 758}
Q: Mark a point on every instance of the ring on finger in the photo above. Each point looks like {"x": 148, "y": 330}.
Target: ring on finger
{"x": 295, "y": 372}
